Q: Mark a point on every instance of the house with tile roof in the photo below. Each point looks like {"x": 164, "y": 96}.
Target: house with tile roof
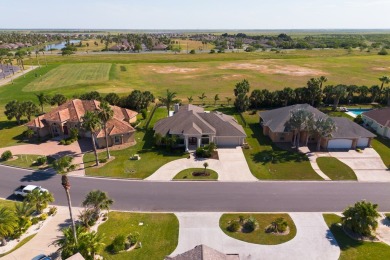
{"x": 196, "y": 127}
{"x": 203, "y": 252}
{"x": 378, "y": 120}
{"x": 60, "y": 120}
{"x": 348, "y": 135}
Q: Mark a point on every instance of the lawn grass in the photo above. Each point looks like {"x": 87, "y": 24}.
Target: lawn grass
{"x": 158, "y": 235}
{"x": 20, "y": 244}
{"x": 353, "y": 249}
{"x": 286, "y": 165}
{"x": 67, "y": 75}
{"x": 259, "y": 236}
{"x": 151, "y": 158}
{"x": 382, "y": 147}
{"x": 8, "y": 203}
{"x": 187, "y": 175}
{"x": 23, "y": 161}
{"x": 335, "y": 169}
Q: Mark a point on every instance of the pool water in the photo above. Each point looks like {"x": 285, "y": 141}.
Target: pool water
{"x": 358, "y": 111}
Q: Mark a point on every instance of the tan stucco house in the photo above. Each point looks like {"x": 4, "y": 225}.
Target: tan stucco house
{"x": 378, "y": 120}
{"x": 348, "y": 135}
{"x": 61, "y": 119}
{"x": 196, "y": 127}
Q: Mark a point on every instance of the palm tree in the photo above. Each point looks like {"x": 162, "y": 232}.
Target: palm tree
{"x": 39, "y": 199}
{"x": 322, "y": 80}
{"x": 91, "y": 123}
{"x": 169, "y": 99}
{"x": 68, "y": 243}
{"x": 9, "y": 62}
{"x": 338, "y": 92}
{"x": 205, "y": 165}
{"x": 29, "y": 109}
{"x": 351, "y": 90}
{"x": 286, "y": 95}
{"x": 42, "y": 99}
{"x": 66, "y": 184}
{"x": 105, "y": 114}
{"x": 298, "y": 122}
{"x": 216, "y": 98}
{"x": 90, "y": 243}
{"x": 202, "y": 97}
{"x": 324, "y": 127}
{"x": 8, "y": 223}
{"x": 228, "y": 100}
{"x": 384, "y": 80}
{"x": 97, "y": 200}
{"x": 363, "y": 93}
{"x": 190, "y": 99}
{"x": 37, "y": 57}
{"x": 386, "y": 91}
{"x": 375, "y": 92}
{"x": 313, "y": 90}
{"x": 24, "y": 209}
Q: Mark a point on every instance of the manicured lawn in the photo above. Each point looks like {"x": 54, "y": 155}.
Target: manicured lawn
{"x": 269, "y": 162}
{"x": 158, "y": 234}
{"x": 8, "y": 203}
{"x": 259, "y": 236}
{"x": 151, "y": 157}
{"x": 24, "y": 161}
{"x": 335, "y": 169}
{"x": 382, "y": 146}
{"x": 353, "y": 249}
{"x": 187, "y": 175}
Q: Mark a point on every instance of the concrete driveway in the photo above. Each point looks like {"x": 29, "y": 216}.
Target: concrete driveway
{"x": 231, "y": 166}
{"x": 53, "y": 148}
{"x": 368, "y": 165}
{"x": 312, "y": 241}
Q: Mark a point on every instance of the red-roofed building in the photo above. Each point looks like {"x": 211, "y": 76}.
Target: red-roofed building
{"x": 63, "y": 118}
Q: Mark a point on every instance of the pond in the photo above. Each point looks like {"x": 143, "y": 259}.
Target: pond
{"x": 60, "y": 45}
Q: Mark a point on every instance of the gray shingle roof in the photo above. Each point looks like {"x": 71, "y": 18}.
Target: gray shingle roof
{"x": 202, "y": 252}
{"x": 382, "y": 116}
{"x": 348, "y": 129}
{"x": 191, "y": 120}
{"x": 275, "y": 119}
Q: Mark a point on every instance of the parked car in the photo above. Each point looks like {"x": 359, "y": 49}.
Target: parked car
{"x": 24, "y": 190}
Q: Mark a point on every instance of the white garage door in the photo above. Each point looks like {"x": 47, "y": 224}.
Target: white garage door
{"x": 227, "y": 141}
{"x": 362, "y": 142}
{"x": 340, "y": 144}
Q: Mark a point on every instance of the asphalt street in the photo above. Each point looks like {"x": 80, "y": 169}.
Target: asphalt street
{"x": 259, "y": 196}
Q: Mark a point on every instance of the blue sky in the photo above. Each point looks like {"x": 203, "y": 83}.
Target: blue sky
{"x": 200, "y": 14}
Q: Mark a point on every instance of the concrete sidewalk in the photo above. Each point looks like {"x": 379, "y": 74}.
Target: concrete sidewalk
{"x": 42, "y": 242}
{"x": 312, "y": 241}
{"x": 231, "y": 166}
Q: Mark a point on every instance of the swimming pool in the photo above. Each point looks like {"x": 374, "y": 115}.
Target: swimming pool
{"x": 358, "y": 111}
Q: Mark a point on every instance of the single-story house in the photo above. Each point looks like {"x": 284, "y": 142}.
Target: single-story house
{"x": 379, "y": 120}
{"x": 348, "y": 135}
{"x": 60, "y": 120}
{"x": 195, "y": 127}
{"x": 202, "y": 252}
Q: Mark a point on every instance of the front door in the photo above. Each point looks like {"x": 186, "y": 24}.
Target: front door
{"x": 66, "y": 130}
{"x": 192, "y": 140}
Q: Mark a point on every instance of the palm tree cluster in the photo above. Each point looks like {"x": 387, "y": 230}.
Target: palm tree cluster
{"x": 78, "y": 238}
{"x": 302, "y": 120}
{"x": 14, "y": 222}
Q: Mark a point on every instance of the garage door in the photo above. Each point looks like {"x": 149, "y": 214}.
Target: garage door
{"x": 340, "y": 144}
{"x": 362, "y": 142}
{"x": 227, "y": 141}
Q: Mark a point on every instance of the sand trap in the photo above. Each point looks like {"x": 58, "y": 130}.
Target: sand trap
{"x": 233, "y": 76}
{"x": 171, "y": 69}
{"x": 291, "y": 70}
{"x": 381, "y": 68}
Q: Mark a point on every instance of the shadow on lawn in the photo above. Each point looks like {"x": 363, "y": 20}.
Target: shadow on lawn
{"x": 149, "y": 146}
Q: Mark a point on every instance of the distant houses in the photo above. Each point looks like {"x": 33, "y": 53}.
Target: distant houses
{"x": 60, "y": 121}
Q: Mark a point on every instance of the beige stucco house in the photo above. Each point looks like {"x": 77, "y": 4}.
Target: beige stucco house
{"x": 379, "y": 120}
{"x": 60, "y": 120}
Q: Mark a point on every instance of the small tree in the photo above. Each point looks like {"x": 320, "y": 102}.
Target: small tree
{"x": 228, "y": 100}
{"x": 8, "y": 223}
{"x": 361, "y": 218}
{"x": 39, "y": 199}
{"x": 216, "y": 98}
{"x": 97, "y": 200}
{"x": 63, "y": 164}
{"x": 205, "y": 165}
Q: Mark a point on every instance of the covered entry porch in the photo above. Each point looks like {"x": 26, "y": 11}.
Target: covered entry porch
{"x": 191, "y": 142}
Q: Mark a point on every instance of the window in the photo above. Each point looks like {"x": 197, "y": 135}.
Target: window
{"x": 282, "y": 138}
{"x": 117, "y": 139}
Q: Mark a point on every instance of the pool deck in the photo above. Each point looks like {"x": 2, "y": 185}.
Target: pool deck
{"x": 351, "y": 114}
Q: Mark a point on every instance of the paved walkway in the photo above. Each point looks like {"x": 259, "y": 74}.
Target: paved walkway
{"x": 383, "y": 230}
{"x": 312, "y": 241}
{"x": 368, "y": 165}
{"x": 42, "y": 242}
{"x": 231, "y": 166}
{"x": 313, "y": 162}
{"x": 53, "y": 148}
{"x": 13, "y": 77}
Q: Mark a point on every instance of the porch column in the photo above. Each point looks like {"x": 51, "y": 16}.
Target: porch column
{"x": 186, "y": 142}
{"x": 199, "y": 139}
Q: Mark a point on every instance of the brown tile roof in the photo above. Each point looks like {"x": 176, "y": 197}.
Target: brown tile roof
{"x": 115, "y": 127}
{"x": 202, "y": 252}
{"x": 381, "y": 116}
{"x": 74, "y": 110}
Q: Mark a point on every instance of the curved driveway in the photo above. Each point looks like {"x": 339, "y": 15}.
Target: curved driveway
{"x": 207, "y": 196}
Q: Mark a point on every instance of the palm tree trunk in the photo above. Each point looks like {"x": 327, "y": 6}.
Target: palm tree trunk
{"x": 298, "y": 139}
{"x": 71, "y": 214}
{"x": 3, "y": 241}
{"x": 106, "y": 137}
{"x": 94, "y": 149}
{"x": 319, "y": 144}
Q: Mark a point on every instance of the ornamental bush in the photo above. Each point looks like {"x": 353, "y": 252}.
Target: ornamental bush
{"x": 234, "y": 227}
{"x": 6, "y": 155}
{"x": 118, "y": 244}
{"x": 41, "y": 160}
